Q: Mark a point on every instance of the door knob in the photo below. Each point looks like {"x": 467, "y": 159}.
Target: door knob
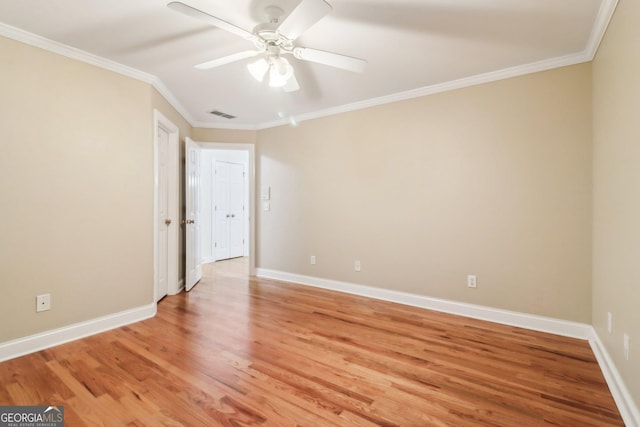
{"x": 167, "y": 221}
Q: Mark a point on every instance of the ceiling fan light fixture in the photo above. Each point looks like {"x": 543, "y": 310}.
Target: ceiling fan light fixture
{"x": 280, "y": 72}
{"x": 258, "y": 69}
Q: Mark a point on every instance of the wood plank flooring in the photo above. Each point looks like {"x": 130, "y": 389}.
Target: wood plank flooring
{"x": 245, "y": 352}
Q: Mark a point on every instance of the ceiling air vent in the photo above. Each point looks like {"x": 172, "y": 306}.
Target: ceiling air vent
{"x": 221, "y": 114}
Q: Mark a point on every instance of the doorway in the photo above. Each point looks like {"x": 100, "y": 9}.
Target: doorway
{"x": 236, "y": 162}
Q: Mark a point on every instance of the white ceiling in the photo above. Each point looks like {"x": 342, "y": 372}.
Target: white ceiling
{"x": 413, "y": 47}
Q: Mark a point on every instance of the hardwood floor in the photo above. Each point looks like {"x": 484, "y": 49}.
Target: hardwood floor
{"x": 237, "y": 351}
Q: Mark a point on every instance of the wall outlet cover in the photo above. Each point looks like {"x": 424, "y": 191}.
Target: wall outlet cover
{"x": 43, "y": 302}
{"x": 472, "y": 281}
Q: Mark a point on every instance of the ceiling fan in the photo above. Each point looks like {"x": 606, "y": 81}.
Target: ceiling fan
{"x": 275, "y": 38}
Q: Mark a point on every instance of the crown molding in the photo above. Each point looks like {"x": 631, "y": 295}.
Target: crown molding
{"x": 605, "y": 13}
{"x": 91, "y": 59}
{"x": 172, "y": 100}
{"x": 73, "y": 53}
{"x": 489, "y": 77}
{"x": 607, "y": 7}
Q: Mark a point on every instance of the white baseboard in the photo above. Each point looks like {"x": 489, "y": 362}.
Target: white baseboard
{"x": 624, "y": 401}
{"x": 180, "y": 287}
{"x": 512, "y": 318}
{"x": 41, "y": 341}
{"x": 626, "y": 405}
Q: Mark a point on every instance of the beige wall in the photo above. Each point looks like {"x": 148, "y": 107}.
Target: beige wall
{"x": 616, "y": 208}
{"x": 224, "y": 135}
{"x": 76, "y": 186}
{"x": 492, "y": 180}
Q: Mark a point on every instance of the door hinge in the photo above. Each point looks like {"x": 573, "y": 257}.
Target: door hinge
{"x": 215, "y": 245}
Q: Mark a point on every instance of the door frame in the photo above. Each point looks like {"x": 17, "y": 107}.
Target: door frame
{"x": 160, "y": 121}
{"x": 251, "y": 176}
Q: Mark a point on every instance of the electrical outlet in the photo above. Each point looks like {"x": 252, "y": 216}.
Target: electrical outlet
{"x": 609, "y": 322}
{"x": 313, "y": 260}
{"x": 357, "y": 266}
{"x": 43, "y": 302}
{"x": 472, "y": 281}
{"x": 626, "y": 346}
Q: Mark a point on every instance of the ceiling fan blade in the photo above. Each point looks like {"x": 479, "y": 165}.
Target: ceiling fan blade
{"x": 227, "y": 59}
{"x": 210, "y": 19}
{"x": 307, "y": 13}
{"x": 292, "y": 84}
{"x": 344, "y": 62}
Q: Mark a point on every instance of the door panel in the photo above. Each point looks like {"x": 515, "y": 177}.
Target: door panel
{"x": 192, "y": 219}
{"x": 236, "y": 205}
{"x": 163, "y": 214}
{"x": 229, "y": 210}
{"x": 222, "y": 210}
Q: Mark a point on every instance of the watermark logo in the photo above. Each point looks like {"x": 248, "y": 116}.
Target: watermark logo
{"x": 31, "y": 416}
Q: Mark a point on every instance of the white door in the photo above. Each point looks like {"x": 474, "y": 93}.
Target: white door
{"x": 164, "y": 221}
{"x": 192, "y": 219}
{"x": 236, "y": 210}
{"x": 166, "y": 227}
{"x": 221, "y": 210}
{"x": 229, "y": 210}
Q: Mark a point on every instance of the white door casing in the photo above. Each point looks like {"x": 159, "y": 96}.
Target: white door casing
{"x": 193, "y": 269}
{"x": 250, "y": 225}
{"x": 166, "y": 231}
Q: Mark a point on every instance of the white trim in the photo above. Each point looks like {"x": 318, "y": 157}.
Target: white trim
{"x": 607, "y": 7}
{"x": 98, "y": 61}
{"x": 73, "y": 53}
{"x": 54, "y": 337}
{"x": 172, "y": 100}
{"x": 520, "y": 70}
{"x": 601, "y": 22}
{"x": 180, "y": 287}
{"x": 207, "y": 260}
{"x": 621, "y": 395}
{"x": 529, "y": 321}
{"x": 626, "y": 405}
{"x": 160, "y": 121}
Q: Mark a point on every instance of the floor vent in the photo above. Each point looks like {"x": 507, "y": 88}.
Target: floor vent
{"x": 221, "y": 114}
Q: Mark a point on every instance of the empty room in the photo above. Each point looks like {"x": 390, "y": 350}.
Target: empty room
{"x": 320, "y": 213}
